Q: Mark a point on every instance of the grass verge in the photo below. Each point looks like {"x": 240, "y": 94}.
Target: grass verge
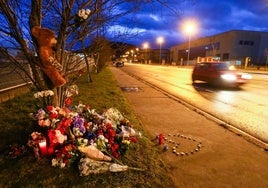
{"x": 26, "y": 171}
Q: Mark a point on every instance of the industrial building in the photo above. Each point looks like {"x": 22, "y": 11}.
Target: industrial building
{"x": 250, "y": 47}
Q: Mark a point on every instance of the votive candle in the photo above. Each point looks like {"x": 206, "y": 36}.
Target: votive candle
{"x": 43, "y": 147}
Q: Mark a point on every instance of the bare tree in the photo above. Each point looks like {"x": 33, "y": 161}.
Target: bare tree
{"x": 79, "y": 24}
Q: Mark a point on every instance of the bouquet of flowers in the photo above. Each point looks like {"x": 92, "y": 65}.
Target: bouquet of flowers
{"x": 69, "y": 134}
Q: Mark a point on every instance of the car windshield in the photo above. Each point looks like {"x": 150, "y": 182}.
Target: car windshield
{"x": 222, "y": 66}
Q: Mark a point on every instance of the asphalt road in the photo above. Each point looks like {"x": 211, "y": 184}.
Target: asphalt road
{"x": 245, "y": 108}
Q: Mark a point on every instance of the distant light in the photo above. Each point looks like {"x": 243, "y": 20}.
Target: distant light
{"x": 160, "y": 40}
{"x": 146, "y": 45}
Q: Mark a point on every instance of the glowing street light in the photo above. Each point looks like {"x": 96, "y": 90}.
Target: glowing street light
{"x": 160, "y": 41}
{"x": 190, "y": 29}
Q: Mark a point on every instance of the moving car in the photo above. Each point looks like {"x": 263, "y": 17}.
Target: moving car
{"x": 219, "y": 74}
{"x": 118, "y": 63}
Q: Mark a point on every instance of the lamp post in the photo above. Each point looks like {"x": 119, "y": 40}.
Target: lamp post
{"x": 160, "y": 40}
{"x": 146, "y": 46}
{"x": 190, "y": 28}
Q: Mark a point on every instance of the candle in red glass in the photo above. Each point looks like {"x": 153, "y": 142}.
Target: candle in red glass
{"x": 160, "y": 139}
{"x": 43, "y": 147}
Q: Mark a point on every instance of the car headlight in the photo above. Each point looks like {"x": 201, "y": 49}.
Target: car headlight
{"x": 228, "y": 77}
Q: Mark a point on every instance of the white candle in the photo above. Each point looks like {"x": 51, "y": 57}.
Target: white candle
{"x": 43, "y": 147}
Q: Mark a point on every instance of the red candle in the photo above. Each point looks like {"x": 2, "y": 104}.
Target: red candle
{"x": 43, "y": 147}
{"x": 160, "y": 139}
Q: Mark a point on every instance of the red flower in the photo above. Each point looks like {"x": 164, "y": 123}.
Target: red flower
{"x": 52, "y": 112}
{"x": 81, "y": 71}
{"x": 108, "y": 125}
{"x": 53, "y": 115}
{"x": 50, "y": 108}
{"x": 114, "y": 147}
{"x": 133, "y": 139}
{"x": 53, "y": 141}
{"x": 114, "y": 150}
{"x": 115, "y": 154}
{"x": 87, "y": 106}
{"x": 50, "y": 150}
{"x": 110, "y": 133}
{"x": 66, "y": 161}
{"x": 64, "y": 125}
{"x": 68, "y": 101}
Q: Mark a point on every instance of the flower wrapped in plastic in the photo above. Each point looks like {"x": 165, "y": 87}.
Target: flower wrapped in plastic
{"x": 88, "y": 166}
{"x": 94, "y": 153}
{"x": 114, "y": 116}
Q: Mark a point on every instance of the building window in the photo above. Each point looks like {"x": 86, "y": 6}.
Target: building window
{"x": 246, "y": 42}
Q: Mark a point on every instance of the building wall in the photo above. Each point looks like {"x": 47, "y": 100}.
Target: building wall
{"x": 231, "y": 45}
{"x": 153, "y": 55}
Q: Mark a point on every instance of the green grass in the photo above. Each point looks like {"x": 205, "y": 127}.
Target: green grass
{"x": 102, "y": 93}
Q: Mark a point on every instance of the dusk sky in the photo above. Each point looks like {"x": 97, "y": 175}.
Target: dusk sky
{"x": 211, "y": 16}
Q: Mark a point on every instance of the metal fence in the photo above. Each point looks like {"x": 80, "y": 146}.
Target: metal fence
{"x": 11, "y": 76}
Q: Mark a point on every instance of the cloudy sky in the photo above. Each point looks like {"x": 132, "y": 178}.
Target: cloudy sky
{"x": 211, "y": 16}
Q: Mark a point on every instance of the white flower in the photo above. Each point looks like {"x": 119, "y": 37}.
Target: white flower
{"x": 42, "y": 94}
{"x": 81, "y": 13}
{"x": 62, "y": 165}
{"x": 60, "y": 137}
{"x": 85, "y": 17}
{"x": 48, "y": 93}
{"x": 54, "y": 162}
{"x": 88, "y": 11}
{"x": 82, "y": 141}
{"x": 101, "y": 137}
{"x": 77, "y": 132}
{"x": 36, "y": 95}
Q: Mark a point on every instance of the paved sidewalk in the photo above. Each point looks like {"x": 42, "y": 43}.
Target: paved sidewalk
{"x": 206, "y": 154}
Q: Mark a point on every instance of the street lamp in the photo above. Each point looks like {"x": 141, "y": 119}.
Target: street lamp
{"x": 146, "y": 46}
{"x": 190, "y": 28}
{"x": 160, "y": 40}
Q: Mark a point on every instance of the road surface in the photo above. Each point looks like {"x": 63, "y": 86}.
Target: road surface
{"x": 245, "y": 108}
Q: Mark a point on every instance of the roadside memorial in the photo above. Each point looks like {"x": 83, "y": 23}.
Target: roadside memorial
{"x": 79, "y": 135}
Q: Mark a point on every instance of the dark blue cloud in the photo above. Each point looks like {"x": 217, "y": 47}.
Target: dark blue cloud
{"x": 212, "y": 16}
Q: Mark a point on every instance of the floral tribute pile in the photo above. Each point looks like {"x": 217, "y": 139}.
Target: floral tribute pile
{"x": 79, "y": 134}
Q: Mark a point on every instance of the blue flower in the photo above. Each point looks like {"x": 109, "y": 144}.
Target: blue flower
{"x": 78, "y": 122}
